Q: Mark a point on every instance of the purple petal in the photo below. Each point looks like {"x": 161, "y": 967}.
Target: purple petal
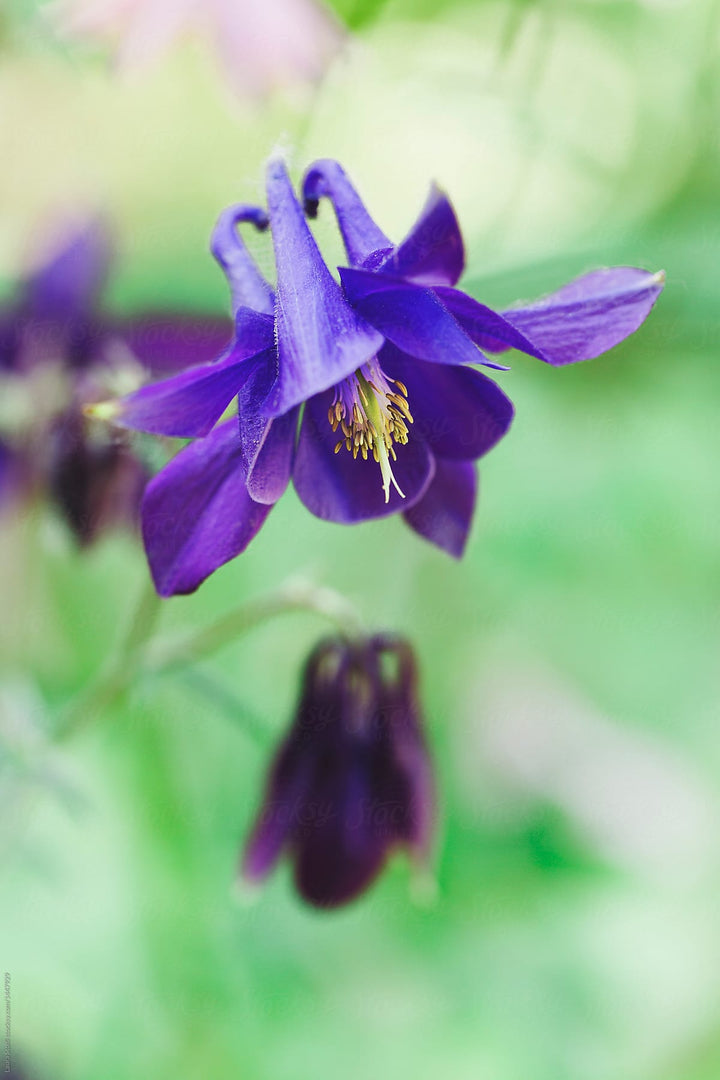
{"x": 444, "y": 514}
{"x": 590, "y": 315}
{"x": 248, "y": 287}
{"x": 578, "y": 322}
{"x": 488, "y": 329}
{"x": 341, "y": 850}
{"x": 320, "y": 338}
{"x": 458, "y": 411}
{"x": 404, "y": 769}
{"x": 410, "y": 316}
{"x": 69, "y": 285}
{"x": 338, "y": 487}
{"x": 190, "y": 404}
{"x": 253, "y": 424}
{"x": 433, "y": 252}
{"x": 269, "y": 473}
{"x": 361, "y": 236}
{"x": 286, "y": 787}
{"x": 197, "y": 514}
{"x": 165, "y": 342}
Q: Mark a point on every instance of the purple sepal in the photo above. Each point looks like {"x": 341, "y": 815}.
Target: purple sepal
{"x": 361, "y": 236}
{"x": 338, "y": 487}
{"x": 66, "y": 289}
{"x": 487, "y": 328}
{"x": 269, "y": 473}
{"x": 164, "y": 342}
{"x": 287, "y": 784}
{"x": 189, "y": 404}
{"x": 410, "y": 316}
{"x": 585, "y": 318}
{"x": 590, "y": 315}
{"x": 444, "y": 514}
{"x": 433, "y": 252}
{"x": 197, "y": 513}
{"x": 320, "y": 338}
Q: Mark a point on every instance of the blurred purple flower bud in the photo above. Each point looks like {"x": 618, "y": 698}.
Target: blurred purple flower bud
{"x": 352, "y": 780}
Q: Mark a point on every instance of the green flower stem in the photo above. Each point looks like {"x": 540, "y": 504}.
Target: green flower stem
{"x": 120, "y": 673}
{"x": 136, "y": 657}
{"x": 223, "y": 700}
{"x": 295, "y": 596}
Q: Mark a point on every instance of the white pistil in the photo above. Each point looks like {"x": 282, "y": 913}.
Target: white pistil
{"x": 372, "y": 418}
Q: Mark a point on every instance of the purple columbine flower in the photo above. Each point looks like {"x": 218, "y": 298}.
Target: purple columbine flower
{"x": 352, "y": 779}
{"x": 299, "y": 345}
{"x": 60, "y": 351}
{"x": 393, "y": 415}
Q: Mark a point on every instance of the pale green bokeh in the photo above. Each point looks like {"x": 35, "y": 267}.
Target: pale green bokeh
{"x": 570, "y": 662}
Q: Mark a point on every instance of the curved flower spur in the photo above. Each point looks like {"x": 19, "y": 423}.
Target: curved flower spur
{"x": 363, "y": 395}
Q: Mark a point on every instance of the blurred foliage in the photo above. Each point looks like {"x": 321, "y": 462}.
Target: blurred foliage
{"x": 569, "y": 662}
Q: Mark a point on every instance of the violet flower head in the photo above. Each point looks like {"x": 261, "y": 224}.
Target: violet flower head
{"x": 93, "y": 478}
{"x": 352, "y": 780}
{"x": 54, "y": 314}
{"x": 301, "y": 344}
{"x": 394, "y": 411}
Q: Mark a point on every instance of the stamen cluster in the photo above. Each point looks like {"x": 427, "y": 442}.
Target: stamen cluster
{"x": 372, "y": 416}
{"x": 352, "y": 411}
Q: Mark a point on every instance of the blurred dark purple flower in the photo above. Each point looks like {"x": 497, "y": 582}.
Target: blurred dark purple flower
{"x": 63, "y": 351}
{"x": 96, "y": 481}
{"x": 393, "y": 415}
{"x": 352, "y": 780}
{"x": 53, "y": 317}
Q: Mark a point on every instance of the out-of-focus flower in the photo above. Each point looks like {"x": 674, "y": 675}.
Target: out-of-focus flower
{"x": 352, "y": 780}
{"x": 394, "y": 417}
{"x": 58, "y": 352}
{"x": 261, "y": 45}
{"x": 96, "y": 482}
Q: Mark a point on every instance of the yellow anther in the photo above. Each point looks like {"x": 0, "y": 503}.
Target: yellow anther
{"x": 372, "y": 417}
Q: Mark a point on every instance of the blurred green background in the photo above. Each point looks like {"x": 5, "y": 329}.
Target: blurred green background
{"x": 570, "y": 662}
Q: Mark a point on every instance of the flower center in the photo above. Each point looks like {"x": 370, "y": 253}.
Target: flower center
{"x": 372, "y": 416}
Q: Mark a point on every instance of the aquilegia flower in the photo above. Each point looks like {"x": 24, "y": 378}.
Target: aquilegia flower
{"x": 352, "y": 779}
{"x": 393, "y": 414}
{"x": 58, "y": 352}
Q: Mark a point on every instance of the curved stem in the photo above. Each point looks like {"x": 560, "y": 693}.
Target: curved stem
{"x": 120, "y": 672}
{"x": 297, "y": 596}
{"x": 134, "y": 657}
